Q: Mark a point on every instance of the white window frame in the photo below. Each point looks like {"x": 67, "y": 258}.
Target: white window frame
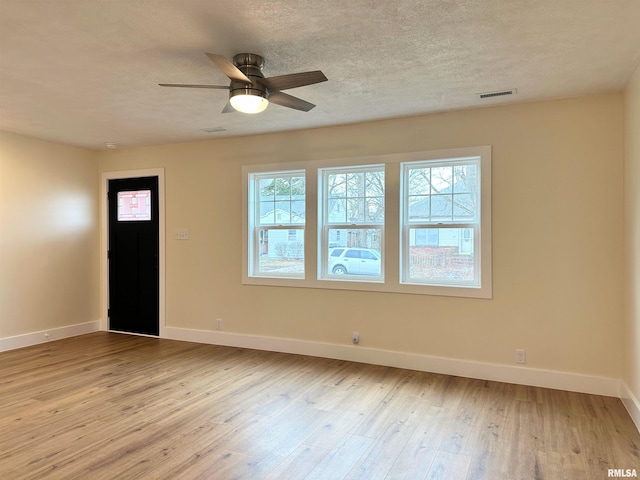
{"x": 254, "y": 226}
{"x": 407, "y": 224}
{"x": 325, "y": 225}
{"x": 392, "y": 235}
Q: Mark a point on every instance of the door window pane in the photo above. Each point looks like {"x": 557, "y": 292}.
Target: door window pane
{"x": 134, "y": 206}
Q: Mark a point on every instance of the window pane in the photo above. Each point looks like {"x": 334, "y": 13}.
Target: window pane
{"x": 298, "y": 186}
{"x": 337, "y": 210}
{"x": 355, "y": 252}
{"x": 283, "y": 212}
{"x": 441, "y": 207}
{"x": 355, "y": 210}
{"x": 419, "y": 181}
{"x": 355, "y": 237}
{"x": 267, "y": 213}
{"x": 297, "y": 211}
{"x": 283, "y": 186}
{"x": 281, "y": 200}
{"x": 374, "y": 212}
{"x": 374, "y": 184}
{"x": 267, "y": 189}
{"x": 464, "y": 207}
{"x": 280, "y": 251}
{"x": 419, "y": 208}
{"x": 441, "y": 255}
{"x": 337, "y": 185}
{"x": 442, "y": 194}
{"x": 465, "y": 179}
{"x": 278, "y": 199}
{"x": 355, "y": 197}
{"x": 441, "y": 191}
{"x": 352, "y": 196}
{"x": 441, "y": 180}
{"x": 355, "y": 184}
{"x": 134, "y": 206}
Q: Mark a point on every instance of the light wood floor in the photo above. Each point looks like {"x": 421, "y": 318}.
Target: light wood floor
{"x": 110, "y": 406}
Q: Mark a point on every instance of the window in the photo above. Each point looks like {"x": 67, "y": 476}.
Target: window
{"x": 416, "y": 222}
{"x": 134, "y": 206}
{"x": 277, "y": 223}
{"x": 441, "y": 222}
{"x": 351, "y": 212}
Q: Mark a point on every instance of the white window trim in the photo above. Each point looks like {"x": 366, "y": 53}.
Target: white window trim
{"x": 324, "y": 226}
{"x": 391, "y": 233}
{"x": 407, "y": 225}
{"x": 253, "y": 228}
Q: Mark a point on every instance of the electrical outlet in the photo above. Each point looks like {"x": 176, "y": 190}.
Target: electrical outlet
{"x": 219, "y": 324}
{"x": 521, "y": 356}
{"x": 355, "y": 338}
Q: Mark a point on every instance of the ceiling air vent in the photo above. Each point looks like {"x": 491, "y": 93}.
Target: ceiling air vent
{"x": 501, "y": 93}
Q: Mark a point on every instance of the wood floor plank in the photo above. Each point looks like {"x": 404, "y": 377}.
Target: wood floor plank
{"x": 341, "y": 460}
{"x": 377, "y": 462}
{"x": 448, "y": 465}
{"x": 105, "y": 406}
{"x": 298, "y": 464}
{"x": 337, "y": 425}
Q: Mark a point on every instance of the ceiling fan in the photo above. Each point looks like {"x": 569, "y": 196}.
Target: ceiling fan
{"x": 250, "y": 91}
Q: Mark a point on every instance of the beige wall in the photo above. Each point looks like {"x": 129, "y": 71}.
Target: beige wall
{"x": 49, "y": 272}
{"x": 557, "y": 238}
{"x": 632, "y": 235}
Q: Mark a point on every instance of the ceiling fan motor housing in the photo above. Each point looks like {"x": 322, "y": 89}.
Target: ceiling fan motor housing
{"x": 251, "y": 65}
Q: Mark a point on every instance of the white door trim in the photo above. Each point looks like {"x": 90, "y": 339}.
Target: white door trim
{"x": 104, "y": 242}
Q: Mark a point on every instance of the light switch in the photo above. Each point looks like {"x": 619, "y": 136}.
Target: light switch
{"x": 182, "y": 234}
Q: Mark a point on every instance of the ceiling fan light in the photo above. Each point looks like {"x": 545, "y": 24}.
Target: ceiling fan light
{"x": 249, "y": 103}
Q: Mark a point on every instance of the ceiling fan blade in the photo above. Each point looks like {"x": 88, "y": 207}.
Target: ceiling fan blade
{"x": 228, "y": 68}
{"x": 290, "y": 101}
{"x": 185, "y": 85}
{"x": 293, "y": 80}
{"x": 228, "y": 108}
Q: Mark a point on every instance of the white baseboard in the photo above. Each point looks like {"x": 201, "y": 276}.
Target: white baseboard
{"x": 631, "y": 403}
{"x": 573, "y": 382}
{"x": 34, "y": 338}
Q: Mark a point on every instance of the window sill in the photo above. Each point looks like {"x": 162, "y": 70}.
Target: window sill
{"x": 370, "y": 286}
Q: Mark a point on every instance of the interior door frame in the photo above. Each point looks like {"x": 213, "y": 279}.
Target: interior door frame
{"x": 104, "y": 244}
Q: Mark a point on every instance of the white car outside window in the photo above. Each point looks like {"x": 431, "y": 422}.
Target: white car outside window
{"x": 354, "y": 261}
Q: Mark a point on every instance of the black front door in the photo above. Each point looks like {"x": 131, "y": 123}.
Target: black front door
{"x": 133, "y": 255}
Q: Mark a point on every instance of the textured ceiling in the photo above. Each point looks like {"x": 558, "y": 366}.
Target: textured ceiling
{"x": 85, "y": 72}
